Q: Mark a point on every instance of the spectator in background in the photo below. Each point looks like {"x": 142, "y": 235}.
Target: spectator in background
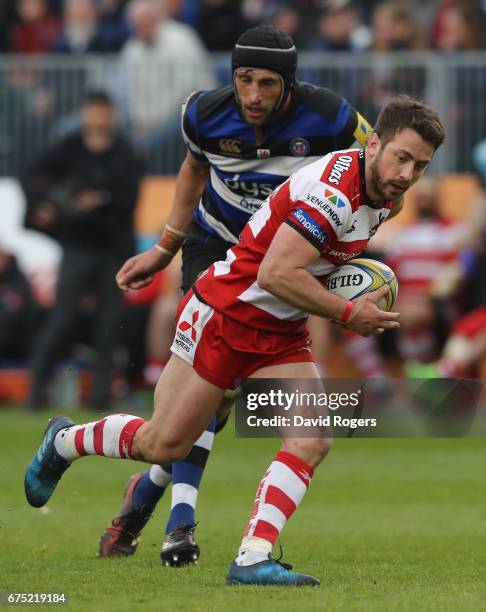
{"x": 462, "y": 27}
{"x": 114, "y": 23}
{"x": 36, "y": 28}
{"x": 459, "y": 26}
{"x": 395, "y": 28}
{"x": 17, "y": 309}
{"x": 7, "y": 19}
{"x": 220, "y": 23}
{"x": 258, "y": 11}
{"x": 16, "y": 92}
{"x": 84, "y": 32}
{"x": 335, "y": 28}
{"x": 287, "y": 18}
{"x": 83, "y": 192}
{"x": 112, "y": 9}
{"x": 338, "y": 28}
{"x": 187, "y": 11}
{"x": 161, "y": 64}
{"x": 89, "y": 27}
{"x": 442, "y": 6}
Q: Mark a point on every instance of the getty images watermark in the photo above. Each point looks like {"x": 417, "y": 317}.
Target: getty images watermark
{"x": 292, "y": 402}
{"x": 361, "y": 408}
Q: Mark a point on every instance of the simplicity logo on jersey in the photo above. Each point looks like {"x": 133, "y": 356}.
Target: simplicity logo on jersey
{"x": 310, "y": 225}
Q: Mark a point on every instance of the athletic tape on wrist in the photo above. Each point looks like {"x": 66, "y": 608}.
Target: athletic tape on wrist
{"x": 163, "y": 250}
{"x": 171, "y": 239}
{"x": 175, "y": 231}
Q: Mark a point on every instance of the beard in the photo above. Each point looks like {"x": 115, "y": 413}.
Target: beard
{"x": 376, "y": 183}
{"x": 379, "y": 186}
{"x": 267, "y": 119}
{"x": 257, "y": 122}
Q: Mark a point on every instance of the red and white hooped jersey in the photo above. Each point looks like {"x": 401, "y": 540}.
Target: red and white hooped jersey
{"x": 420, "y": 253}
{"x": 326, "y": 203}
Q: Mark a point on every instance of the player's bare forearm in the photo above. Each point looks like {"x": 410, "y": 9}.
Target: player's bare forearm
{"x": 190, "y": 184}
{"x": 283, "y": 273}
{"x": 300, "y": 289}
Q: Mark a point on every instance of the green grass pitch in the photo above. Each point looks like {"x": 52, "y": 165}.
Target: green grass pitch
{"x": 386, "y": 525}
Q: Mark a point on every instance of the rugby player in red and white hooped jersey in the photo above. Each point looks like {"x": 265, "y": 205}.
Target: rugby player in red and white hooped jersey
{"x": 243, "y": 141}
{"x": 326, "y": 203}
{"x": 426, "y": 257}
{"x": 253, "y": 325}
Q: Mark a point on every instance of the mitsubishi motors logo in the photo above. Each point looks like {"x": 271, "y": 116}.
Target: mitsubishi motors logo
{"x": 185, "y": 326}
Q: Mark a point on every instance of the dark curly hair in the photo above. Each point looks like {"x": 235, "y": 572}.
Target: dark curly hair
{"x": 405, "y": 112}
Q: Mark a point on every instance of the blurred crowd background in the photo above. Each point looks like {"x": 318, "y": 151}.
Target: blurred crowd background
{"x": 149, "y": 54}
{"x": 139, "y": 59}
{"x": 108, "y": 26}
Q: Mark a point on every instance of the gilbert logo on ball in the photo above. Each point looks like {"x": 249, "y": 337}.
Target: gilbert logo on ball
{"x": 360, "y": 276}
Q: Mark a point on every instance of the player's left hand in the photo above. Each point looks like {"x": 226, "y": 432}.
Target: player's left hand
{"x": 366, "y": 318}
{"x": 138, "y": 271}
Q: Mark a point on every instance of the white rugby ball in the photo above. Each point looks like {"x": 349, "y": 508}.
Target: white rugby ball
{"x": 359, "y": 276}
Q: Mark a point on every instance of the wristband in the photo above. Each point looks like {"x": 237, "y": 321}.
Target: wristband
{"x": 173, "y": 230}
{"x": 348, "y": 309}
{"x": 171, "y": 240}
{"x": 163, "y": 250}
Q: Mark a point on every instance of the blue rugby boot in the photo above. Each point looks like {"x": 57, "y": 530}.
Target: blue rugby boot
{"x": 271, "y": 573}
{"x": 47, "y": 466}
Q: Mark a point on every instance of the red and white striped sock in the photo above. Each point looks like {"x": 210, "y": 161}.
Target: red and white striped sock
{"x": 110, "y": 437}
{"x": 281, "y": 490}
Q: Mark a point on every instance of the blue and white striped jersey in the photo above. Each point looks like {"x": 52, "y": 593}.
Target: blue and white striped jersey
{"x": 243, "y": 172}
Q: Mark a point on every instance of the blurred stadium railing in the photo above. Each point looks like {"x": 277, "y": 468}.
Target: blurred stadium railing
{"x": 40, "y": 96}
